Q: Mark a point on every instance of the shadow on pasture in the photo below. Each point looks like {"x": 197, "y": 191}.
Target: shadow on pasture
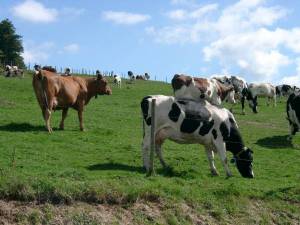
{"x": 275, "y": 142}
{"x": 21, "y": 127}
{"x": 116, "y": 166}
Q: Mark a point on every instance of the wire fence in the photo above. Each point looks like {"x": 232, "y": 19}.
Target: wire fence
{"x": 108, "y": 73}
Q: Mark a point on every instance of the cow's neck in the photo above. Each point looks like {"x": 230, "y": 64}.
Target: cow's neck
{"x": 91, "y": 88}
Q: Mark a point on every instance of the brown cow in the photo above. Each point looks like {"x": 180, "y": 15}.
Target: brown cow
{"x": 55, "y": 92}
{"x": 187, "y": 87}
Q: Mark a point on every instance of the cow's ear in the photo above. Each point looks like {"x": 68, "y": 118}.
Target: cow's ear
{"x": 99, "y": 77}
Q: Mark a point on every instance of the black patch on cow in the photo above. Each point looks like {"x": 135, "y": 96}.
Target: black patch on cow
{"x": 190, "y": 123}
{"x": 182, "y": 102}
{"x": 231, "y": 120}
{"x": 206, "y": 127}
{"x": 174, "y": 113}
{"x": 214, "y": 133}
{"x": 224, "y": 130}
{"x": 145, "y": 108}
{"x": 294, "y": 102}
{"x": 232, "y": 138}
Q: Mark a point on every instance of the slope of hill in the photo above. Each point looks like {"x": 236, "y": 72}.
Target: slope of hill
{"x": 96, "y": 176}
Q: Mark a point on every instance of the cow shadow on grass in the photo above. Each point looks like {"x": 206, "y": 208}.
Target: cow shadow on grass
{"x": 21, "y": 127}
{"x": 167, "y": 172}
{"x": 116, "y": 166}
{"x": 275, "y": 142}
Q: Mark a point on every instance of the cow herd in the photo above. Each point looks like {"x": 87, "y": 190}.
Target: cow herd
{"x": 13, "y": 71}
{"x": 194, "y": 115}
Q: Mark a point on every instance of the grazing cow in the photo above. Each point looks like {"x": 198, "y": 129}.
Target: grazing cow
{"x": 147, "y": 76}
{"x": 259, "y": 90}
{"x": 8, "y": 71}
{"x": 191, "y": 122}
{"x": 140, "y": 77}
{"x": 13, "y": 71}
{"x": 67, "y": 72}
{"x": 223, "y": 79}
{"x": 117, "y": 81}
{"x": 283, "y": 90}
{"x": 55, "y": 92}
{"x": 293, "y": 113}
{"x": 186, "y": 87}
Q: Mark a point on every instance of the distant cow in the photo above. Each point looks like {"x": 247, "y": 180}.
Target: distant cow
{"x": 140, "y": 77}
{"x": 283, "y": 90}
{"x": 293, "y": 113}
{"x": 190, "y": 122}
{"x": 67, "y": 72}
{"x": 147, "y": 76}
{"x": 118, "y": 80}
{"x": 8, "y": 71}
{"x": 186, "y": 87}
{"x": 13, "y": 71}
{"x": 49, "y": 68}
{"x": 259, "y": 90}
{"x": 55, "y": 92}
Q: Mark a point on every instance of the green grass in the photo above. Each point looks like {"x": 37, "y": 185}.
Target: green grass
{"x": 103, "y": 164}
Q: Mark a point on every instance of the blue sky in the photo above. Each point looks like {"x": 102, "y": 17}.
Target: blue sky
{"x": 258, "y": 39}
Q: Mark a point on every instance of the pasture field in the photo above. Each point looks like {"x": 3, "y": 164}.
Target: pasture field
{"x": 92, "y": 177}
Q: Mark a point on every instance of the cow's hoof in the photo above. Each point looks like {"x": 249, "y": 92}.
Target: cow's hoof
{"x": 243, "y": 113}
{"x": 228, "y": 175}
{"x": 82, "y": 129}
{"x": 61, "y": 128}
{"x": 214, "y": 173}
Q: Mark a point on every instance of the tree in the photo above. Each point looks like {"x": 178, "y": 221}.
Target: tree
{"x": 10, "y": 44}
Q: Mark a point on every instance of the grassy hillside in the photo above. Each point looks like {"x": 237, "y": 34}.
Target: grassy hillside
{"x": 96, "y": 176}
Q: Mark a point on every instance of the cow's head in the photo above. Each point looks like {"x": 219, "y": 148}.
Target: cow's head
{"x": 102, "y": 87}
{"x": 243, "y": 161}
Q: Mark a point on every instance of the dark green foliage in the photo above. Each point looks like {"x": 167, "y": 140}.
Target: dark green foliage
{"x": 10, "y": 45}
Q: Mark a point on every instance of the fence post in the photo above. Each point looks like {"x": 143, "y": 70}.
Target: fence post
{"x": 152, "y": 138}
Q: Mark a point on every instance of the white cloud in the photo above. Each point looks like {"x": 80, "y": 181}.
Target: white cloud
{"x": 178, "y": 14}
{"x": 34, "y": 11}
{"x": 71, "y": 48}
{"x": 37, "y": 53}
{"x": 242, "y": 36}
{"x": 124, "y": 18}
{"x": 293, "y": 79}
{"x": 181, "y": 14}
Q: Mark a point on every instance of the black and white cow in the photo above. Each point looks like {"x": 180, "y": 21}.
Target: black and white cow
{"x": 283, "y": 90}
{"x": 194, "y": 88}
{"x": 293, "y": 113}
{"x": 191, "y": 122}
{"x": 258, "y": 90}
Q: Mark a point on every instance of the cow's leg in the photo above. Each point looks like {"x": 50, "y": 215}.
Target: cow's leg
{"x": 80, "y": 112}
{"x": 268, "y": 101}
{"x": 220, "y": 146}
{"x": 160, "y": 137}
{"x": 210, "y": 157}
{"x": 293, "y": 130}
{"x": 243, "y": 105}
{"x": 274, "y": 99}
{"x": 63, "y": 117}
{"x": 160, "y": 156}
{"x": 47, "y": 120}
